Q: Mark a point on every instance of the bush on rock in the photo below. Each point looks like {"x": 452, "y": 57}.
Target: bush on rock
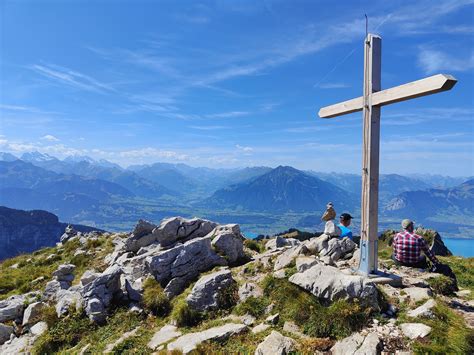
{"x": 154, "y": 298}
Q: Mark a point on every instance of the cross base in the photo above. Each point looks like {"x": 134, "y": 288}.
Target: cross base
{"x": 368, "y": 257}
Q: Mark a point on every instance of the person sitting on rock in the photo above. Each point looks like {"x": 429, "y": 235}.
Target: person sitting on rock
{"x": 407, "y": 248}
{"x": 344, "y": 222}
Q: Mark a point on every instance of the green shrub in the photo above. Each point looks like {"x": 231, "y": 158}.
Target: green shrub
{"x": 463, "y": 268}
{"x": 184, "y": 315}
{"x": 337, "y": 320}
{"x": 154, "y": 298}
{"x": 65, "y": 333}
{"x": 227, "y": 297}
{"x": 442, "y": 285}
{"x": 254, "y": 245}
{"x": 449, "y": 334}
{"x": 254, "y": 306}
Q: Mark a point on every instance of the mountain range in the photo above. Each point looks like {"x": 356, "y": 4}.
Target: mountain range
{"x": 97, "y": 192}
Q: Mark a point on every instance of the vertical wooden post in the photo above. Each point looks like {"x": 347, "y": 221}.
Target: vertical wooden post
{"x": 370, "y": 156}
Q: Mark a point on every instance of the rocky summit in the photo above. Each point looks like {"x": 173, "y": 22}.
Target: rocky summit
{"x": 194, "y": 286}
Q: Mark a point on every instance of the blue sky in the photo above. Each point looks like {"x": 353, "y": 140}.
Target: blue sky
{"x": 233, "y": 83}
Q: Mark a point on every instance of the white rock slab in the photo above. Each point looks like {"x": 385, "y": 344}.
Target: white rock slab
{"x": 188, "y": 342}
{"x": 415, "y": 330}
{"x": 164, "y": 335}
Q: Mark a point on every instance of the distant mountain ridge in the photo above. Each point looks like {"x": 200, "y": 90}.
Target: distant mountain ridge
{"x": 282, "y": 189}
{"x": 425, "y": 203}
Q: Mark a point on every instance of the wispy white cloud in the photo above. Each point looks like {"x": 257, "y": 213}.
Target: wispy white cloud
{"x": 244, "y": 148}
{"x": 432, "y": 61}
{"x": 71, "y": 78}
{"x": 230, "y": 114}
{"x": 50, "y": 138}
{"x": 209, "y": 128}
{"x": 334, "y": 86}
{"x": 150, "y": 152}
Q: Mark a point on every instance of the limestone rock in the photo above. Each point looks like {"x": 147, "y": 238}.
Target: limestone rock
{"x": 273, "y": 319}
{"x": 164, "y": 335}
{"x": 275, "y": 344}
{"x": 330, "y": 213}
{"x": 331, "y": 229}
{"x": 358, "y": 344}
{"x": 33, "y": 313}
{"x": 209, "y": 290}
{"x": 188, "y": 342}
{"x": 303, "y": 263}
{"x": 249, "y": 289}
{"x": 415, "y": 330}
{"x": 183, "y": 263}
{"x": 328, "y": 283}
{"x": 67, "y": 299}
{"x": 12, "y": 308}
{"x": 53, "y": 287}
{"x": 69, "y": 233}
{"x": 110, "y": 347}
{"x": 65, "y": 272}
{"x": 141, "y": 236}
{"x": 337, "y": 248}
{"x": 417, "y": 293}
{"x": 425, "y": 310}
{"x": 39, "y": 328}
{"x": 88, "y": 276}
{"x": 178, "y": 229}
{"x": 280, "y": 242}
{"x": 5, "y": 332}
{"x": 228, "y": 240}
{"x": 260, "y": 328}
{"x": 315, "y": 245}
{"x": 292, "y": 328}
{"x": 287, "y": 257}
{"x": 99, "y": 293}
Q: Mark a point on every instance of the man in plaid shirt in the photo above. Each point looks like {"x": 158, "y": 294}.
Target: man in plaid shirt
{"x": 407, "y": 248}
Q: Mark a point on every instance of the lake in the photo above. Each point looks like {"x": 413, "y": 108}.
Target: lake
{"x": 460, "y": 246}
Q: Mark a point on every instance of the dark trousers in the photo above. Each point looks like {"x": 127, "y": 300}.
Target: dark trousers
{"x": 421, "y": 264}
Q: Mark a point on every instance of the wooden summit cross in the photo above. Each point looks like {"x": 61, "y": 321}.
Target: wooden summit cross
{"x": 370, "y": 103}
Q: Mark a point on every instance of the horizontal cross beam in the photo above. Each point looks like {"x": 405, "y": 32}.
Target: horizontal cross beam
{"x": 423, "y": 87}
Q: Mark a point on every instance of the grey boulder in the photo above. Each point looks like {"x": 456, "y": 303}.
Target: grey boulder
{"x": 209, "y": 291}
{"x": 329, "y": 284}
{"x": 5, "y": 332}
{"x": 228, "y": 240}
{"x": 178, "y": 266}
{"x": 358, "y": 344}
{"x": 275, "y": 344}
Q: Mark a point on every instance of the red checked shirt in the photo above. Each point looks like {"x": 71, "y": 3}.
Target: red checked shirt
{"x": 407, "y": 248}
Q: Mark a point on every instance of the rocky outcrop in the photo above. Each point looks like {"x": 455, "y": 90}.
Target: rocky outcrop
{"x": 358, "y": 344}
{"x": 212, "y": 291}
{"x": 176, "y": 267}
{"x": 329, "y": 284}
{"x": 275, "y": 344}
{"x": 98, "y": 294}
{"x": 228, "y": 241}
{"x": 141, "y": 236}
{"x": 12, "y": 308}
{"x": 280, "y": 242}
